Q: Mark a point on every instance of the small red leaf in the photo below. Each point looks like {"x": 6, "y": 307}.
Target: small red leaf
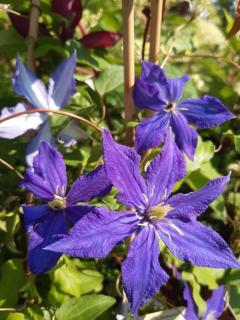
{"x": 236, "y": 24}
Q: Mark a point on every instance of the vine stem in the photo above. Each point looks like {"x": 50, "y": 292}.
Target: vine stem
{"x": 63, "y": 113}
{"x": 129, "y": 69}
{"x": 33, "y": 33}
{"x": 9, "y": 166}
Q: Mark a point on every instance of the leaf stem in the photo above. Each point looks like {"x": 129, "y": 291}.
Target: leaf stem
{"x": 63, "y": 113}
{"x": 9, "y": 166}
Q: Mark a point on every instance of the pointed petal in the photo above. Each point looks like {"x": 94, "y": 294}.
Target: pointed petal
{"x": 96, "y": 233}
{"x": 92, "y": 185}
{"x": 205, "y": 112}
{"x": 189, "y": 206}
{"x": 15, "y": 127}
{"x": 43, "y": 234}
{"x": 192, "y": 309}
{"x": 215, "y": 305}
{"x": 37, "y": 185}
{"x": 62, "y": 84}
{"x": 76, "y": 212}
{"x": 146, "y": 96}
{"x": 176, "y": 86}
{"x": 49, "y": 165}
{"x": 27, "y": 85}
{"x": 164, "y": 171}
{"x": 44, "y": 134}
{"x": 34, "y": 214}
{"x": 100, "y": 39}
{"x": 193, "y": 242}
{"x": 141, "y": 271}
{"x": 152, "y": 131}
{"x": 122, "y": 166}
{"x": 185, "y": 136}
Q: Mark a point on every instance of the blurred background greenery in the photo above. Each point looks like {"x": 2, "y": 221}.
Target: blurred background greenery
{"x": 194, "y": 41}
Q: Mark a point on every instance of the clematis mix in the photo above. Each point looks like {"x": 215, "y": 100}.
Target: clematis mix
{"x": 60, "y": 89}
{"x": 47, "y": 222}
{"x": 152, "y": 215}
{"x": 156, "y": 92}
{"x": 214, "y": 306}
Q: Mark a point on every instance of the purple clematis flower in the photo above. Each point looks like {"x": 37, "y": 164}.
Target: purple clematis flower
{"x": 60, "y": 89}
{"x": 156, "y": 92}
{"x": 155, "y": 215}
{"x": 46, "y": 223}
{"x": 215, "y": 305}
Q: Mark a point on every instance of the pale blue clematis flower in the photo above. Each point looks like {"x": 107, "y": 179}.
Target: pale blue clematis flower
{"x": 61, "y": 87}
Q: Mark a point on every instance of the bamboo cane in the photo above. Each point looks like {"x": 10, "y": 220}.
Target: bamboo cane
{"x": 128, "y": 58}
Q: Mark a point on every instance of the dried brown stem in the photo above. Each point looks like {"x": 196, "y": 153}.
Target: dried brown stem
{"x": 128, "y": 57}
{"x": 33, "y": 33}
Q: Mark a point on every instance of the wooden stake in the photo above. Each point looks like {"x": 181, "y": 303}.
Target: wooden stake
{"x": 155, "y": 29}
{"x": 128, "y": 58}
{"x": 33, "y": 33}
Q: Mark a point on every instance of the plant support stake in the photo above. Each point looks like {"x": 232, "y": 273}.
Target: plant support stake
{"x": 128, "y": 58}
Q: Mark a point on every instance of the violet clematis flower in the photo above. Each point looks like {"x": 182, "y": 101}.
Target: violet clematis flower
{"x": 156, "y": 92}
{"x": 155, "y": 215}
{"x": 46, "y": 223}
{"x": 214, "y": 309}
{"x": 60, "y": 89}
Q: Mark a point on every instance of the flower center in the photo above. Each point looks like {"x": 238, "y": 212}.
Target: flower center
{"x": 159, "y": 211}
{"x": 170, "y": 107}
{"x": 58, "y": 203}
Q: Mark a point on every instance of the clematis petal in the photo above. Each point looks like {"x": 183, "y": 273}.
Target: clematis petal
{"x": 62, "y": 84}
{"x": 37, "y": 185}
{"x": 152, "y": 131}
{"x": 76, "y": 212}
{"x": 193, "y": 242}
{"x": 43, "y": 234}
{"x": 164, "y": 171}
{"x": 122, "y": 166}
{"x": 191, "y": 312}
{"x": 96, "y": 233}
{"x": 141, "y": 271}
{"x": 189, "y": 206}
{"x": 44, "y": 134}
{"x": 176, "y": 86}
{"x": 215, "y": 305}
{"x": 185, "y": 136}
{"x": 146, "y": 96}
{"x": 92, "y": 185}
{"x": 34, "y": 214}
{"x": 27, "y": 85}
{"x": 205, "y": 112}
{"x": 100, "y": 39}
{"x": 15, "y": 127}
{"x": 49, "y": 165}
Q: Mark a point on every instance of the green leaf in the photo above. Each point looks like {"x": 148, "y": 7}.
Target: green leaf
{"x": 12, "y": 279}
{"x": 237, "y": 143}
{"x": 234, "y": 298}
{"x": 204, "y": 152}
{"x": 208, "y": 277}
{"x": 70, "y": 280}
{"x": 16, "y": 316}
{"x": 84, "y": 308}
{"x": 109, "y": 79}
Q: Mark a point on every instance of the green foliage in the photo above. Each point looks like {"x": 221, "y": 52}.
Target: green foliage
{"x": 84, "y": 308}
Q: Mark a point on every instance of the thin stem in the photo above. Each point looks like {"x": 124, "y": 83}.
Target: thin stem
{"x": 128, "y": 57}
{"x": 33, "y": 33}
{"x": 63, "y": 113}
{"x": 9, "y": 166}
{"x": 146, "y": 12}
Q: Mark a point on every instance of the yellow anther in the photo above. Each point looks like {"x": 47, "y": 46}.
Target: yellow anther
{"x": 158, "y": 212}
{"x": 58, "y": 203}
